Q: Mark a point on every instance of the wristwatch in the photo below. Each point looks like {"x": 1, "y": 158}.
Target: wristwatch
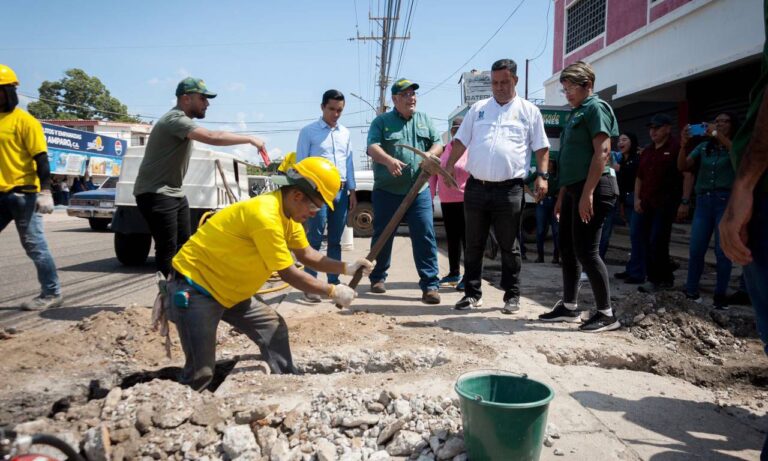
{"x": 544, "y": 175}
{"x": 685, "y": 201}
{"x": 714, "y": 133}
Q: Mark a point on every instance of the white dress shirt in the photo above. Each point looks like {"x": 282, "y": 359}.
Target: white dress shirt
{"x": 500, "y": 139}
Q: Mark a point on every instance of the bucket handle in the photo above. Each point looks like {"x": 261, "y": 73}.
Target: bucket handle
{"x": 479, "y": 398}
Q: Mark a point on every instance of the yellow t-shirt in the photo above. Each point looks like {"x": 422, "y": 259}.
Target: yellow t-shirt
{"x": 234, "y": 253}
{"x": 21, "y": 138}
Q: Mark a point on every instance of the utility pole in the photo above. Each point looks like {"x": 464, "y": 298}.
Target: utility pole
{"x": 386, "y": 40}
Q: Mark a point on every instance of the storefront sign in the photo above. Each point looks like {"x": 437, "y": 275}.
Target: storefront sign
{"x": 71, "y": 151}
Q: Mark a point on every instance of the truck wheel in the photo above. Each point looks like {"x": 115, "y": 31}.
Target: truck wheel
{"x": 361, "y": 219}
{"x": 99, "y": 224}
{"x": 132, "y": 249}
{"x": 528, "y": 223}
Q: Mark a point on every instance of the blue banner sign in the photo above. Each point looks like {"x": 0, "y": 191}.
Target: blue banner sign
{"x": 83, "y": 141}
{"x": 70, "y": 150}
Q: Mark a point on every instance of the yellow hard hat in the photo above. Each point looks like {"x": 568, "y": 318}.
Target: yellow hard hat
{"x": 287, "y": 162}
{"x": 8, "y": 76}
{"x": 321, "y": 176}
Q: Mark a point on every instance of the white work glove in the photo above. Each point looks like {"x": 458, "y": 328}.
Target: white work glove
{"x": 342, "y": 295}
{"x": 351, "y": 269}
{"x": 44, "y": 202}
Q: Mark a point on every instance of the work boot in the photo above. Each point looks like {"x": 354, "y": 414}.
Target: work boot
{"x": 378, "y": 287}
{"x": 430, "y": 297}
{"x": 42, "y": 302}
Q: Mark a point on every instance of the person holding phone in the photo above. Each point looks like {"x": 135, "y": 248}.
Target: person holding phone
{"x": 713, "y": 189}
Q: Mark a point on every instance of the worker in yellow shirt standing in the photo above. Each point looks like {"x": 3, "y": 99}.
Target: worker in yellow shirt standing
{"x": 25, "y": 187}
{"x": 232, "y": 255}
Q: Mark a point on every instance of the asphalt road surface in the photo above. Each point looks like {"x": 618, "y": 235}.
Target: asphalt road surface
{"x": 92, "y": 278}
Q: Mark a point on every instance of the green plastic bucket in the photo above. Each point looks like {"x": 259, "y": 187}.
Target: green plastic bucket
{"x": 504, "y": 415}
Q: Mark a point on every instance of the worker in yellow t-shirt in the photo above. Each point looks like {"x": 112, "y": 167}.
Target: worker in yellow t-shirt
{"x": 220, "y": 268}
{"x": 25, "y": 187}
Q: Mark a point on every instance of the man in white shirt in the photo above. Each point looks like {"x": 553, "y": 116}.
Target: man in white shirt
{"x": 499, "y": 133}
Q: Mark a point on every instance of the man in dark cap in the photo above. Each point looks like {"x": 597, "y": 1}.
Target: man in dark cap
{"x": 394, "y": 172}
{"x": 166, "y": 158}
{"x": 658, "y": 188}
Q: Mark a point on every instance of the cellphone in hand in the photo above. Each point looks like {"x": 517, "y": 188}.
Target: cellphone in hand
{"x": 698, "y": 129}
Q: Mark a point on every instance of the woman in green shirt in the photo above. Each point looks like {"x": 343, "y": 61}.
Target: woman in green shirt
{"x": 713, "y": 189}
{"x": 588, "y": 193}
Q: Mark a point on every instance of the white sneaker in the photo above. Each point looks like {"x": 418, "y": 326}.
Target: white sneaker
{"x": 42, "y": 302}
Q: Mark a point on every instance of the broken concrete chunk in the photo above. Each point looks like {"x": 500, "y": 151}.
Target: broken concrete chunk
{"x": 238, "y": 440}
{"x": 389, "y": 431}
{"x": 360, "y": 420}
{"x": 404, "y": 443}
{"x": 96, "y": 444}
{"x": 452, "y": 447}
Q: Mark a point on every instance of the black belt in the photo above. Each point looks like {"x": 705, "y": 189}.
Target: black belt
{"x": 507, "y": 182}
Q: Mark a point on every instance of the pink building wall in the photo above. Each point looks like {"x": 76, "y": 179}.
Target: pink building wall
{"x": 623, "y": 17}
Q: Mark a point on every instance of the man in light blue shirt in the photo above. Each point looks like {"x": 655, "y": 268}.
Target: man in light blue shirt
{"x": 329, "y": 139}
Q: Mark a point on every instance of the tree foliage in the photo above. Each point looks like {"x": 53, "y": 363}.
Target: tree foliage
{"x": 78, "y": 96}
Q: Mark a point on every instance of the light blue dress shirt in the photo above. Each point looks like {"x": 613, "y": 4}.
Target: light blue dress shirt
{"x": 318, "y": 139}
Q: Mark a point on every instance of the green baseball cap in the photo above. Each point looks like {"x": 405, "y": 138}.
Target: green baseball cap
{"x": 193, "y": 85}
{"x": 402, "y": 85}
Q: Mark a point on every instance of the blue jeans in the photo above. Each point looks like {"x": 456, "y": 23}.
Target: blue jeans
{"x": 336, "y": 221}
{"x": 636, "y": 264}
{"x": 545, "y": 218}
{"x": 710, "y": 207}
{"x": 20, "y": 208}
{"x": 756, "y": 272}
{"x": 422, "y": 235}
{"x": 605, "y": 237}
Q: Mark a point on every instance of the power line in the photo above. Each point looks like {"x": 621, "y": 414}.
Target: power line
{"x": 181, "y": 45}
{"x": 235, "y": 122}
{"x": 546, "y": 34}
{"x": 476, "y": 52}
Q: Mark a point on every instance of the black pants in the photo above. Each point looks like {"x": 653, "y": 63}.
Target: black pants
{"x": 656, "y": 230}
{"x": 453, "y": 218}
{"x": 580, "y": 241}
{"x": 500, "y": 205}
{"x": 169, "y": 222}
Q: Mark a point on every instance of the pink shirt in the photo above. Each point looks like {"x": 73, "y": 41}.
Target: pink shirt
{"x": 446, "y": 193}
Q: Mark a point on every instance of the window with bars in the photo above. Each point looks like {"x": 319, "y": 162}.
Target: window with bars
{"x": 586, "y": 20}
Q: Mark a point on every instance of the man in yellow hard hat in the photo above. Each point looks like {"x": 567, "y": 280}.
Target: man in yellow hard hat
{"x": 233, "y": 254}
{"x": 25, "y": 187}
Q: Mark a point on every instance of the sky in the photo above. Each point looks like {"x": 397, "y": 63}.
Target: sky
{"x": 270, "y": 62}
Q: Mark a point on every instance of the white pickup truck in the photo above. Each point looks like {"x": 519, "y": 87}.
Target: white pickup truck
{"x": 213, "y": 181}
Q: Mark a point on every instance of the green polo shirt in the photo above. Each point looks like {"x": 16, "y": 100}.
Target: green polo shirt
{"x": 592, "y": 117}
{"x": 389, "y": 129}
{"x": 715, "y": 169}
{"x": 741, "y": 140}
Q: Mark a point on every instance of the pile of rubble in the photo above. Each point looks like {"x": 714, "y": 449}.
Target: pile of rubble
{"x": 674, "y": 321}
{"x": 165, "y": 420}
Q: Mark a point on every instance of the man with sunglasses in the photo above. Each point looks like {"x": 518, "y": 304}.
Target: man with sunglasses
{"x": 395, "y": 170}
{"x": 158, "y": 184}
{"x": 229, "y": 258}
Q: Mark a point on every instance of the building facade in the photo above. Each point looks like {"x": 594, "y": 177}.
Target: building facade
{"x": 690, "y": 59}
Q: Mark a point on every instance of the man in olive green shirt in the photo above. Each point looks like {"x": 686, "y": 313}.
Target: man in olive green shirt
{"x": 394, "y": 172}
{"x": 166, "y": 158}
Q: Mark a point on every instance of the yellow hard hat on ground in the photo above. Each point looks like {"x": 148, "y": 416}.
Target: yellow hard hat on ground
{"x": 8, "y": 76}
{"x": 315, "y": 176}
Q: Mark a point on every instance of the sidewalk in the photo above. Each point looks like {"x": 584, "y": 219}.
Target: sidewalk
{"x": 602, "y": 413}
